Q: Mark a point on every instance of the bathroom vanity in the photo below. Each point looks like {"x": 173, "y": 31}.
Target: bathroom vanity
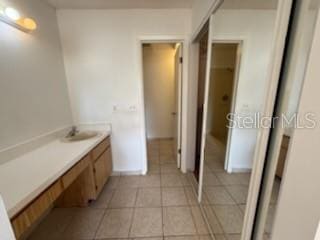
{"x": 63, "y": 174}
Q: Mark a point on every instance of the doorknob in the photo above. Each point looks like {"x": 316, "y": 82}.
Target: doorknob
{"x": 173, "y": 113}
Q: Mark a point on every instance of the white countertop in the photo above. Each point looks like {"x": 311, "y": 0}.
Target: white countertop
{"x": 24, "y": 178}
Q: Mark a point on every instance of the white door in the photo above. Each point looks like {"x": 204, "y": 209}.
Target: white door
{"x": 176, "y": 114}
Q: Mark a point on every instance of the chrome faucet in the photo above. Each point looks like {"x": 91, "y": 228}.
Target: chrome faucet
{"x": 72, "y": 132}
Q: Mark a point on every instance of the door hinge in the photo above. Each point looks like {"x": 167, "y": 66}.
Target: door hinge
{"x": 181, "y": 59}
{"x": 179, "y": 151}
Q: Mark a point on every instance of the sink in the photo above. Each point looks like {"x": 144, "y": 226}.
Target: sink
{"x": 81, "y": 136}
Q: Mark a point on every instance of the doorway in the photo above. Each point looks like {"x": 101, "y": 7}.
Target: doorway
{"x": 162, "y": 80}
{"x": 224, "y": 70}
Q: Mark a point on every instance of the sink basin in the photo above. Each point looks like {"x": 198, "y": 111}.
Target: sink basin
{"x": 81, "y": 136}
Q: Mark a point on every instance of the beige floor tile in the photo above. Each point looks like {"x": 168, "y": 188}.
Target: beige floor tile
{"x": 84, "y": 224}
{"x": 147, "y": 222}
{"x": 206, "y": 169}
{"x": 218, "y": 195}
{"x": 233, "y": 236}
{"x": 171, "y": 180}
{"x": 153, "y": 169}
{"x": 150, "y": 181}
{"x": 213, "y": 221}
{"x": 53, "y": 225}
{"x": 129, "y": 181}
{"x": 185, "y": 180}
{"x": 182, "y": 238}
{"x": 220, "y": 237}
{"x": 154, "y": 159}
{"x": 243, "y": 207}
{"x": 153, "y": 150}
{"x": 230, "y": 217}
{"x": 191, "y": 197}
{"x": 115, "y": 224}
{"x": 167, "y": 159}
{"x": 228, "y": 179}
{"x": 178, "y": 221}
{"x": 113, "y": 182}
{"x": 169, "y": 168}
{"x": 210, "y": 179}
{"x": 103, "y": 199}
{"x": 204, "y": 199}
{"x": 149, "y": 238}
{"x": 216, "y": 166}
{"x": 174, "y": 197}
{"x": 124, "y": 197}
{"x": 149, "y": 197}
{"x": 244, "y": 178}
{"x": 166, "y": 151}
{"x": 205, "y": 237}
{"x": 239, "y": 193}
{"x": 199, "y": 221}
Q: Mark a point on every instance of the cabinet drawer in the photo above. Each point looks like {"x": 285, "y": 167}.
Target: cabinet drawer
{"x": 75, "y": 171}
{"x": 98, "y": 150}
{"x": 102, "y": 169}
{"x": 36, "y": 209}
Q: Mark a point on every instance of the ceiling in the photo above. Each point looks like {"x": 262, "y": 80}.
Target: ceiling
{"x": 119, "y": 4}
{"x": 154, "y": 4}
{"x": 249, "y": 4}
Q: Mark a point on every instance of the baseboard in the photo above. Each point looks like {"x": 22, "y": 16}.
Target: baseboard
{"x": 241, "y": 170}
{"x": 127, "y": 173}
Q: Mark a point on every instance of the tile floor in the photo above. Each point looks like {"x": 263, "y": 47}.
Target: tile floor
{"x": 225, "y": 195}
{"x": 160, "y": 205}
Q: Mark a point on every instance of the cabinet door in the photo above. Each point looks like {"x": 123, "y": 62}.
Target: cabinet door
{"x": 102, "y": 169}
{"x": 32, "y": 213}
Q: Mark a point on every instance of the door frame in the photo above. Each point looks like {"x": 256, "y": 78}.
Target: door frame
{"x": 240, "y": 46}
{"x": 179, "y": 97}
{"x": 183, "y": 90}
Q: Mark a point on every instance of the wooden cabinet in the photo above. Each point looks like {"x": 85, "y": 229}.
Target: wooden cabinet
{"x": 102, "y": 169}
{"x": 75, "y": 171}
{"x": 22, "y": 222}
{"x": 98, "y": 150}
{"x": 80, "y": 184}
{"x": 102, "y": 164}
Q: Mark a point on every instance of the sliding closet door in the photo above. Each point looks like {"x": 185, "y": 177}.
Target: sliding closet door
{"x": 303, "y": 19}
{"x": 204, "y": 114}
{"x": 202, "y": 58}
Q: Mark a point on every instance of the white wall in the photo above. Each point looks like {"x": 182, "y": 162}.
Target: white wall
{"x": 103, "y": 68}
{"x": 222, "y": 57}
{"x": 33, "y": 91}
{"x": 298, "y": 211}
{"x": 257, "y": 39}
{"x": 159, "y": 89}
{"x": 201, "y": 11}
